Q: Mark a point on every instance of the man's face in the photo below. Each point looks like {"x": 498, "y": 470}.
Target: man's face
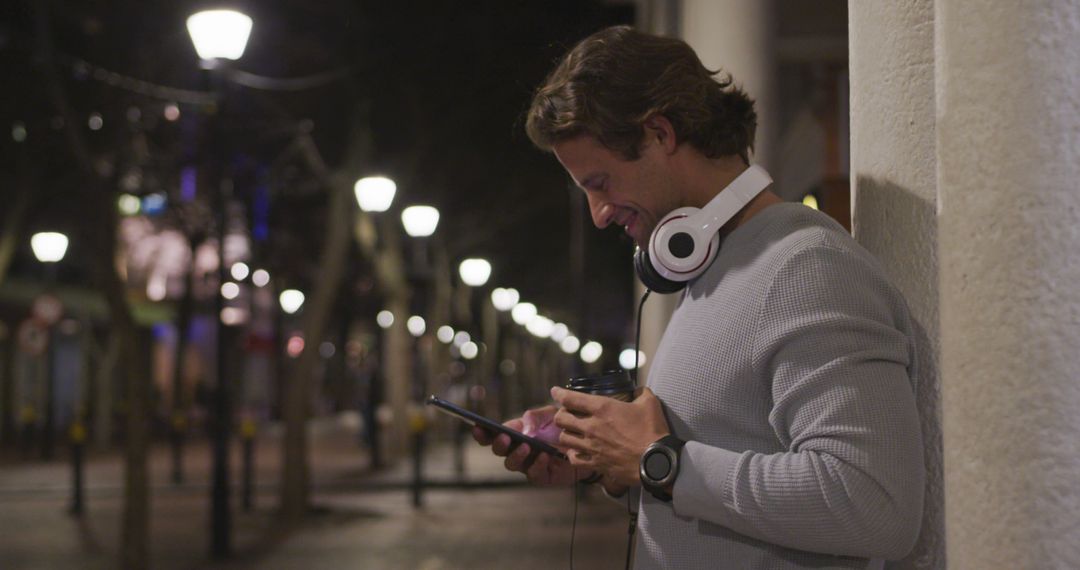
{"x": 634, "y": 194}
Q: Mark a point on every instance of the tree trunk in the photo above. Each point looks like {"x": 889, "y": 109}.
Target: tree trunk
{"x": 179, "y": 404}
{"x": 295, "y": 489}
{"x": 135, "y": 522}
{"x": 12, "y": 230}
{"x": 100, "y": 199}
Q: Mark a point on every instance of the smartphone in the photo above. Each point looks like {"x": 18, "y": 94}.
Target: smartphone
{"x": 493, "y": 426}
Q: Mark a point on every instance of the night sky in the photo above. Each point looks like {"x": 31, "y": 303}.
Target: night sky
{"x": 437, "y": 91}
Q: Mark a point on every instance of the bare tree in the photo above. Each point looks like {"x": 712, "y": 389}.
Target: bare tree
{"x": 12, "y": 230}
{"x": 295, "y": 489}
{"x": 100, "y": 199}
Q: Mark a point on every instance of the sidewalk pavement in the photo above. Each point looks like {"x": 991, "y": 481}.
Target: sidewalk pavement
{"x": 362, "y": 519}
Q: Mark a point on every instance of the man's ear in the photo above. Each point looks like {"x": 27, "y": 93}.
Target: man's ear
{"x": 659, "y": 129}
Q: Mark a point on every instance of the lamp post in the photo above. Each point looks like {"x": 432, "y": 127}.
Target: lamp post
{"x": 420, "y": 222}
{"x": 375, "y": 194}
{"x": 503, "y": 300}
{"x": 474, "y": 273}
{"x": 220, "y": 35}
{"x": 49, "y": 249}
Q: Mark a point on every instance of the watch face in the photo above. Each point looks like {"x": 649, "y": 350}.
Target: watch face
{"x": 657, "y": 466}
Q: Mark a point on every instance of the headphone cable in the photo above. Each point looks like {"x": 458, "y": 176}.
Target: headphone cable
{"x": 574, "y": 487}
{"x": 637, "y": 354}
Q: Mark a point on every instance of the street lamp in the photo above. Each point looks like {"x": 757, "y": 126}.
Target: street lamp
{"x": 540, "y": 326}
{"x": 416, "y": 325}
{"x": 260, "y": 277}
{"x": 375, "y": 193}
{"x": 420, "y": 221}
{"x": 522, "y": 313}
{"x": 474, "y": 272}
{"x": 291, "y": 300}
{"x": 49, "y": 247}
{"x": 385, "y": 319}
{"x": 591, "y": 352}
{"x": 629, "y": 359}
{"x": 240, "y": 271}
{"x": 219, "y": 34}
{"x": 559, "y": 332}
{"x": 570, "y": 344}
{"x": 504, "y": 299}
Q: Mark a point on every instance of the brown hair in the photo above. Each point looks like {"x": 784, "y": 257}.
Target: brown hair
{"x": 613, "y": 80}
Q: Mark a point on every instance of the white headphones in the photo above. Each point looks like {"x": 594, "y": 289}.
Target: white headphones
{"x": 686, "y": 241}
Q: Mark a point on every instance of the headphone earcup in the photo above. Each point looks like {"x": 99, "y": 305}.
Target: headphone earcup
{"x": 652, "y": 279}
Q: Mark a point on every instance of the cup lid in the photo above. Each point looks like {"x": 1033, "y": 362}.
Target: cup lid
{"x": 612, "y": 381}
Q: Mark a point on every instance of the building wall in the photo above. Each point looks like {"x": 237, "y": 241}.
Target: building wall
{"x": 1008, "y": 155}
{"x": 894, "y": 199}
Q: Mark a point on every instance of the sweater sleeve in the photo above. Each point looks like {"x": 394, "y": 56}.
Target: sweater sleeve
{"x": 850, "y": 480}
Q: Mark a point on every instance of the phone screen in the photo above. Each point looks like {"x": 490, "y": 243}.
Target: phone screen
{"x": 475, "y": 419}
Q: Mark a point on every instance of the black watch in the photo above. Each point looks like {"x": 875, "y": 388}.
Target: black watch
{"x": 659, "y": 466}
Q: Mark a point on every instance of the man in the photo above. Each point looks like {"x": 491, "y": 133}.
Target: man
{"x": 784, "y": 384}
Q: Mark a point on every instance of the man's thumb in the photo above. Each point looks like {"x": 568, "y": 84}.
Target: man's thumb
{"x": 528, "y": 423}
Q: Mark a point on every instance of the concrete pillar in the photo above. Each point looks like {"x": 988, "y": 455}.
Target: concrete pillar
{"x": 739, "y": 38}
{"x": 1008, "y": 148}
{"x": 894, "y": 199}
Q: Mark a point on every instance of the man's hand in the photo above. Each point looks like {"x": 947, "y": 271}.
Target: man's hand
{"x": 543, "y": 470}
{"x": 607, "y": 435}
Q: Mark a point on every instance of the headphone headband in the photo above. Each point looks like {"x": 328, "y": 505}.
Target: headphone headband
{"x": 734, "y": 198}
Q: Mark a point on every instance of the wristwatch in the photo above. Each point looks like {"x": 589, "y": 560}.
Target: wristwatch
{"x": 659, "y": 466}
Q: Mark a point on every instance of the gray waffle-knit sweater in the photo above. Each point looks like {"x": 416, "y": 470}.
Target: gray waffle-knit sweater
{"x": 789, "y": 368}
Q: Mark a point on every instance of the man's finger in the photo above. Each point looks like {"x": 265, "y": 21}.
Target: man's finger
{"x": 537, "y": 473}
{"x": 501, "y": 445}
{"x": 568, "y": 421}
{"x": 575, "y": 442}
{"x": 515, "y": 461}
{"x": 482, "y": 436}
{"x": 581, "y": 460}
{"x": 578, "y": 402}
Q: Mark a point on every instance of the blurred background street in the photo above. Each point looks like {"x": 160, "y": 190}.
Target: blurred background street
{"x": 360, "y": 518}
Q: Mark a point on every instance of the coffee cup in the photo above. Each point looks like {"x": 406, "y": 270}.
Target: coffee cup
{"x": 613, "y": 383}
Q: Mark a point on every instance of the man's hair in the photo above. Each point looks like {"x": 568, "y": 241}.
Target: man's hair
{"x": 615, "y": 79}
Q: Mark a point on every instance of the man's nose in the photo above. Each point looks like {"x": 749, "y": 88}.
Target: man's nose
{"x": 602, "y": 212}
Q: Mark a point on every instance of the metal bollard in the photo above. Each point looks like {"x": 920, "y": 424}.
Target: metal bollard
{"x": 247, "y": 435}
{"x": 27, "y": 417}
{"x": 78, "y": 440}
{"x": 418, "y": 425}
{"x": 179, "y": 428}
{"x": 460, "y": 431}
